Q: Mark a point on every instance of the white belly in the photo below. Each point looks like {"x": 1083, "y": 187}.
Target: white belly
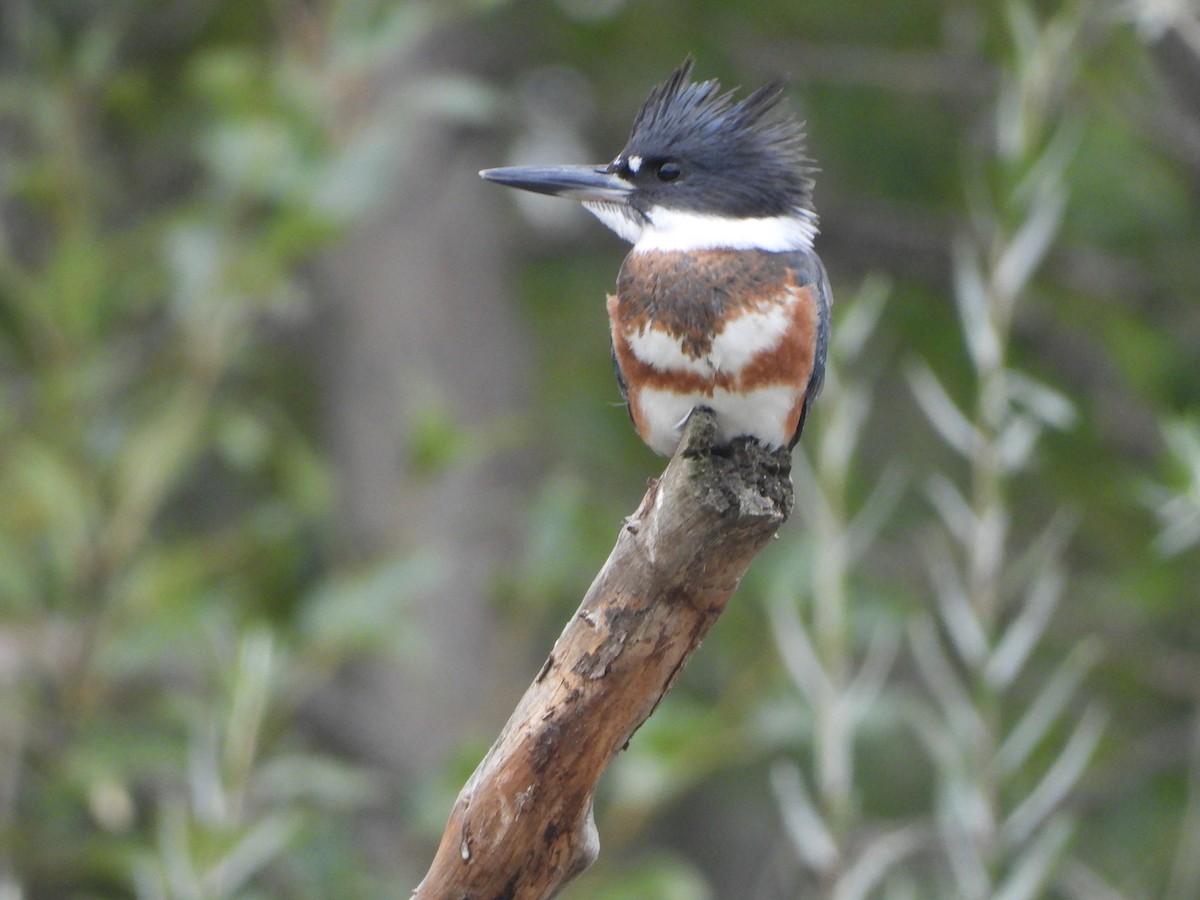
{"x": 762, "y": 414}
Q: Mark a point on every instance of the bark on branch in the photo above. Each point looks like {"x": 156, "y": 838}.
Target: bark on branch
{"x": 522, "y": 826}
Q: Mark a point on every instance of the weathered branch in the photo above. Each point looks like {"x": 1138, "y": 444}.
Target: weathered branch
{"x": 522, "y": 826}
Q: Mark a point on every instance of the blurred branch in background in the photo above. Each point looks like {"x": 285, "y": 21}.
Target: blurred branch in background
{"x": 244, "y": 811}
{"x": 839, "y": 674}
{"x": 1003, "y": 829}
{"x": 1178, "y": 508}
{"x": 1184, "y": 878}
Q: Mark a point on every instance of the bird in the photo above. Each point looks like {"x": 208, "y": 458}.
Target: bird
{"x": 722, "y": 302}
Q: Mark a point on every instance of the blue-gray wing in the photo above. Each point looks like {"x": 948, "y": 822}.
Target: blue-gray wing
{"x": 810, "y": 272}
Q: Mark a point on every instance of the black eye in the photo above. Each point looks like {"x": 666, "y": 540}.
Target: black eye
{"x": 668, "y": 171}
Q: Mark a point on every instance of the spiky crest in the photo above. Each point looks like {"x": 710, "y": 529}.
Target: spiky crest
{"x": 696, "y": 122}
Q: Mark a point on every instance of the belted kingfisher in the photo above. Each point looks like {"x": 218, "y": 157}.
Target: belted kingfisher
{"x": 722, "y": 302}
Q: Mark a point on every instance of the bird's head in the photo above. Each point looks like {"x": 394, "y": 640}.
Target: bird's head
{"x": 700, "y": 169}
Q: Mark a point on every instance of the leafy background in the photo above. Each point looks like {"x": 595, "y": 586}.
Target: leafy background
{"x": 309, "y": 445}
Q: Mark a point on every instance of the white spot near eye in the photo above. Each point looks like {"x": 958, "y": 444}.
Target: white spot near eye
{"x": 635, "y": 164}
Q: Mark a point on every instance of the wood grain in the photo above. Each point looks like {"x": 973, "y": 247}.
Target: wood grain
{"x": 522, "y": 826}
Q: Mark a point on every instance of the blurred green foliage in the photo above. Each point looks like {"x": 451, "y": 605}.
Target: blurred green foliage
{"x": 165, "y": 504}
{"x": 168, "y": 597}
